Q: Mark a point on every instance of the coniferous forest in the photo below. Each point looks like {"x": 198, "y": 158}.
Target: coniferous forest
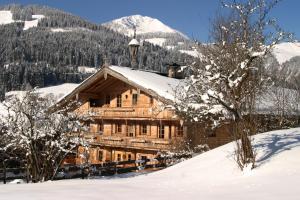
{"x": 42, "y": 57}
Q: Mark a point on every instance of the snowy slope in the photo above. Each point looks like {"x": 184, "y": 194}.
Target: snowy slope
{"x": 6, "y": 17}
{"x": 32, "y": 23}
{"x": 57, "y": 91}
{"x": 285, "y": 51}
{"x": 210, "y": 176}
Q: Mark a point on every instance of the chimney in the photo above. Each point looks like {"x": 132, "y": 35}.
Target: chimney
{"x": 133, "y": 50}
{"x": 173, "y": 71}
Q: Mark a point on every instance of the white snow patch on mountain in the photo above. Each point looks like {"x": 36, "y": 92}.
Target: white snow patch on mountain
{"x": 156, "y": 41}
{"x": 33, "y": 23}
{"x": 193, "y": 53}
{"x": 56, "y": 30}
{"x": 212, "y": 175}
{"x": 57, "y": 91}
{"x": 86, "y": 70}
{"x": 6, "y": 17}
{"x": 285, "y": 51}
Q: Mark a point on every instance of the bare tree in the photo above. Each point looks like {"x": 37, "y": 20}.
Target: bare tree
{"x": 225, "y": 83}
{"x": 44, "y": 136}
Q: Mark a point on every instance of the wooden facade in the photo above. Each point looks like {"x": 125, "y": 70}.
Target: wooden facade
{"x": 129, "y": 121}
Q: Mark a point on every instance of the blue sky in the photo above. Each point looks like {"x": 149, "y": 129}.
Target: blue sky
{"x": 188, "y": 16}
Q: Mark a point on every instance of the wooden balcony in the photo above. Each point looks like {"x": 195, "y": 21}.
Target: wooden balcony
{"x": 129, "y": 112}
{"x": 130, "y": 142}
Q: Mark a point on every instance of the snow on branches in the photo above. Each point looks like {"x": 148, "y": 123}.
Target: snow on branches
{"x": 229, "y": 76}
{"x": 44, "y": 135}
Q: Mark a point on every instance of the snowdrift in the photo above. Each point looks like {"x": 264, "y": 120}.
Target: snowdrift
{"x": 211, "y": 175}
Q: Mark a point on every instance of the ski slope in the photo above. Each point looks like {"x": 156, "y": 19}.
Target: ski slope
{"x": 210, "y": 176}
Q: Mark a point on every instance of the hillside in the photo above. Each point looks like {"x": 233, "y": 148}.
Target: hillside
{"x": 211, "y": 175}
{"x": 42, "y": 46}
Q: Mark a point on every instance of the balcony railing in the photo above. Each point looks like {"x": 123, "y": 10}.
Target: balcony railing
{"x": 130, "y": 112}
{"x": 130, "y": 142}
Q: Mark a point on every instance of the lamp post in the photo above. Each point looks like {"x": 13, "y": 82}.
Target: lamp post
{"x": 133, "y": 50}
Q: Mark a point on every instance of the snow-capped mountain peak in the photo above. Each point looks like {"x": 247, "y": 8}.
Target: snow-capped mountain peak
{"x": 143, "y": 25}
{"x": 286, "y": 50}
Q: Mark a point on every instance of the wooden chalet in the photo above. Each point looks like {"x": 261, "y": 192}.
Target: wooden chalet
{"x": 132, "y": 115}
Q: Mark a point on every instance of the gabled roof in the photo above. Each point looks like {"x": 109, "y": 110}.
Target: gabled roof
{"x": 159, "y": 86}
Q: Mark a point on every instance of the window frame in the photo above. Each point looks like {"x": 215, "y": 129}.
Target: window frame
{"x": 161, "y": 131}
{"x": 119, "y": 100}
{"x": 134, "y": 99}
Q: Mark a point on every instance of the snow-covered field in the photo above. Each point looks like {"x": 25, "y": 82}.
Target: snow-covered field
{"x": 209, "y": 176}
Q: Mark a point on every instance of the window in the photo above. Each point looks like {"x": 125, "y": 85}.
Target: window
{"x": 130, "y": 130}
{"x": 101, "y": 128}
{"x": 179, "y": 131}
{"x": 95, "y": 103}
{"x": 118, "y": 128}
{"x": 143, "y": 129}
{"x": 119, "y": 157}
{"x": 134, "y": 99}
{"x": 161, "y": 131}
{"x": 107, "y": 100}
{"x": 100, "y": 155}
{"x": 129, "y": 157}
{"x": 119, "y": 100}
{"x": 143, "y": 157}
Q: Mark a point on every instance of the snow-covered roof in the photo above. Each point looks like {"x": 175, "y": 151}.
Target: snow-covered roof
{"x": 162, "y": 85}
{"x": 155, "y": 84}
{"x": 134, "y": 42}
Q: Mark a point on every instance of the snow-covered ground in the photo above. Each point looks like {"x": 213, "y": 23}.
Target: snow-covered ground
{"x": 211, "y": 175}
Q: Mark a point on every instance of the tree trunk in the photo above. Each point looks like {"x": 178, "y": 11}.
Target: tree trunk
{"x": 244, "y": 153}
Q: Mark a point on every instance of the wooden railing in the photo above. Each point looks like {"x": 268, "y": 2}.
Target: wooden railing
{"x": 130, "y": 142}
{"x": 130, "y": 112}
